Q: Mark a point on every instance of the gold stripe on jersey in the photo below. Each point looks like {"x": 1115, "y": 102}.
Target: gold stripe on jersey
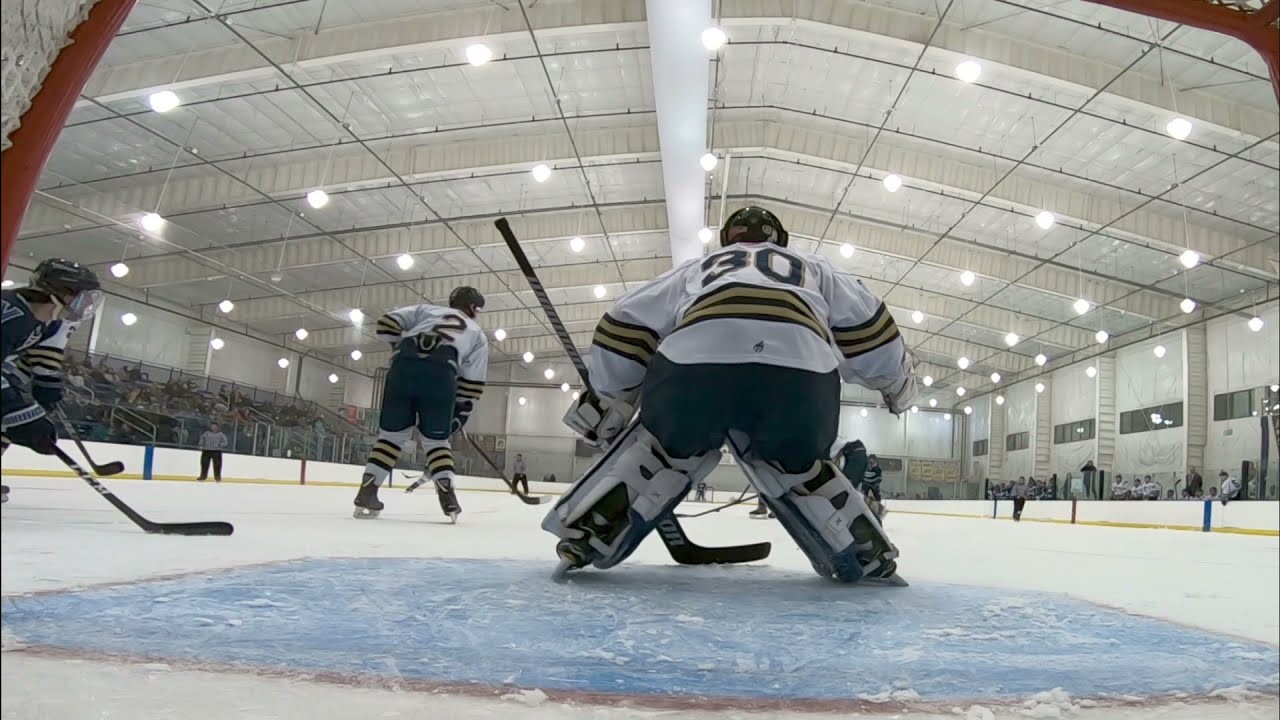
{"x": 754, "y": 302}
{"x": 634, "y": 342}
{"x": 44, "y": 358}
{"x": 439, "y": 460}
{"x": 388, "y": 325}
{"x": 384, "y": 454}
{"x": 860, "y": 339}
{"x": 470, "y": 389}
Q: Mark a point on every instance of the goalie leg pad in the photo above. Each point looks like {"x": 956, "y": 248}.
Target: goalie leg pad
{"x": 828, "y": 518}
{"x": 622, "y": 498}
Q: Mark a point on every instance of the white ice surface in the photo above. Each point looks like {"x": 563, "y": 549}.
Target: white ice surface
{"x": 57, "y": 534}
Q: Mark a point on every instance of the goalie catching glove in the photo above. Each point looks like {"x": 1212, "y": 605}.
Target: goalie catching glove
{"x": 600, "y": 419}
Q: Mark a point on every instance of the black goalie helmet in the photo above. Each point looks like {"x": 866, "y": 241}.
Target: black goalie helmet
{"x": 753, "y": 224}
{"x": 467, "y": 299}
{"x": 74, "y": 287}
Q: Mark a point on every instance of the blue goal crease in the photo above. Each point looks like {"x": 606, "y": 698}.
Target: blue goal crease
{"x": 754, "y": 633}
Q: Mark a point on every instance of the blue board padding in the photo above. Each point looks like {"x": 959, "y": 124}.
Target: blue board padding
{"x": 148, "y": 461}
{"x": 745, "y": 632}
{"x": 1208, "y": 515}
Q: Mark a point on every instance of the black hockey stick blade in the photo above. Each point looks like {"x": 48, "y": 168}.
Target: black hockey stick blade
{"x": 153, "y": 528}
{"x": 114, "y": 467}
{"x": 687, "y": 552}
{"x": 526, "y": 499}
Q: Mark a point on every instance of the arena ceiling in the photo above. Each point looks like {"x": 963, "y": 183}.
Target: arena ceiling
{"x": 849, "y": 119}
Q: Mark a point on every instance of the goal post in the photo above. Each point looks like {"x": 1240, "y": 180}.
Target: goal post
{"x": 51, "y": 48}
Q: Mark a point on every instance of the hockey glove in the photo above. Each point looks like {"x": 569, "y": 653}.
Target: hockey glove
{"x": 898, "y": 396}
{"x": 47, "y": 394}
{"x": 461, "y": 413}
{"x": 599, "y": 420}
{"x": 40, "y": 434}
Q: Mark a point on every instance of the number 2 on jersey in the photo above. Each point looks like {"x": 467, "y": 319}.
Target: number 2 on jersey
{"x": 721, "y": 264}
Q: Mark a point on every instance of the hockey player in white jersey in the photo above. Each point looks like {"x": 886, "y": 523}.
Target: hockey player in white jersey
{"x": 747, "y": 345}
{"x": 436, "y": 376}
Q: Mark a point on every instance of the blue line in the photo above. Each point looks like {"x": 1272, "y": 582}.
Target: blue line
{"x": 148, "y": 459}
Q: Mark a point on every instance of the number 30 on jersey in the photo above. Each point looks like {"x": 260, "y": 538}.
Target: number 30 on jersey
{"x": 777, "y": 266}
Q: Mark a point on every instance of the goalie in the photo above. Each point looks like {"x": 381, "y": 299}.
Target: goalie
{"x": 745, "y": 346}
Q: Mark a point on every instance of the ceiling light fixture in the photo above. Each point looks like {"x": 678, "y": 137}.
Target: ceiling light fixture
{"x": 915, "y": 409}
{"x": 163, "y": 101}
{"x": 356, "y": 354}
{"x": 1091, "y": 371}
{"x": 892, "y": 183}
{"x": 283, "y": 363}
{"x": 705, "y": 235}
{"x": 967, "y": 277}
{"x": 541, "y": 173}
{"x": 1189, "y": 258}
{"x": 226, "y": 306}
{"x": 527, "y": 356}
{"x": 301, "y": 333}
{"x": 968, "y": 71}
{"x": 1159, "y": 351}
{"x": 1188, "y": 305}
{"x": 960, "y": 391}
{"x": 999, "y": 399}
{"x": 933, "y": 402}
{"x": 1041, "y": 359}
{"x": 317, "y": 199}
{"x": 548, "y": 373}
{"x": 995, "y": 377}
{"x": 963, "y": 363}
{"x": 522, "y": 400}
{"x": 333, "y": 378}
{"x": 576, "y": 244}
{"x": 1101, "y": 336}
{"x": 499, "y": 334}
{"x": 405, "y": 261}
{"x": 598, "y": 291}
{"x": 863, "y": 412}
{"x": 575, "y": 395}
{"x": 1011, "y": 339}
{"x": 216, "y": 343}
{"x": 128, "y": 319}
{"x": 1178, "y": 128}
{"x": 713, "y": 38}
{"x": 478, "y": 54}
{"x": 946, "y": 416}
{"x": 1082, "y": 306}
{"x": 119, "y": 269}
{"x": 152, "y": 222}
{"x": 917, "y": 317}
{"x": 1045, "y": 219}
{"x": 1039, "y": 388}
{"x": 1256, "y": 324}
{"x": 968, "y": 410}
{"x": 846, "y": 251}
{"x": 564, "y": 387}
{"x": 709, "y": 161}
{"x": 356, "y": 316}
{"x": 927, "y": 380}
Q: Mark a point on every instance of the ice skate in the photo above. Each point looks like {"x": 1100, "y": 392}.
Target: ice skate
{"x": 4, "y": 493}
{"x": 760, "y": 513}
{"x": 573, "y": 554}
{"x": 448, "y": 499}
{"x": 368, "y": 506}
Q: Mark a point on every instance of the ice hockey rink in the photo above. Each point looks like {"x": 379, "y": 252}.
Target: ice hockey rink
{"x": 306, "y": 612}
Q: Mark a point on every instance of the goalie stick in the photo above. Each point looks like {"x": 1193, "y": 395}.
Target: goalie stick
{"x": 682, "y": 549}
{"x": 151, "y": 527}
{"x": 114, "y": 467}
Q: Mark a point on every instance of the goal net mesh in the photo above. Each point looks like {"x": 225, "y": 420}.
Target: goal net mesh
{"x": 34, "y": 32}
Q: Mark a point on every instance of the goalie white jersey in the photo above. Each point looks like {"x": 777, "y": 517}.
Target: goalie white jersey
{"x": 450, "y": 327}
{"x": 751, "y": 303}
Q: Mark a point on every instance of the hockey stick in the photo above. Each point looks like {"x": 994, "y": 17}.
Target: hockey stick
{"x": 155, "y": 528}
{"x": 740, "y": 499}
{"x": 526, "y": 499}
{"x": 114, "y": 467}
{"x": 682, "y": 550}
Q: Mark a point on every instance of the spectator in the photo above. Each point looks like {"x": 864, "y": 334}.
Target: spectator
{"x": 519, "y": 475}
{"x": 1195, "y": 484}
{"x": 1087, "y": 475}
{"x": 1149, "y": 490}
{"x": 1168, "y": 494}
{"x": 212, "y": 443}
{"x": 1121, "y": 490}
{"x": 1019, "y": 499}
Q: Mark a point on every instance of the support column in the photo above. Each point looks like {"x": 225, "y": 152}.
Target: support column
{"x": 1195, "y": 386}
{"x": 995, "y": 446}
{"x": 198, "y": 350}
{"x": 1107, "y": 419}
{"x": 1043, "y": 437}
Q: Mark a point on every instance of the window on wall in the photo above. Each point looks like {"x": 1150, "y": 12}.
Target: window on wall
{"x": 1017, "y": 441}
{"x": 1271, "y": 400}
{"x": 1074, "y": 431}
{"x": 1150, "y": 419}
{"x": 1232, "y": 405}
{"x": 980, "y": 447}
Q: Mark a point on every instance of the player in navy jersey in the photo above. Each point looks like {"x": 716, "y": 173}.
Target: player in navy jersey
{"x": 37, "y": 320}
{"x": 746, "y": 346}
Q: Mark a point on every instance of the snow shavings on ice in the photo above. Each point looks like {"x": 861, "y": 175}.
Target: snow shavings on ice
{"x": 532, "y": 698}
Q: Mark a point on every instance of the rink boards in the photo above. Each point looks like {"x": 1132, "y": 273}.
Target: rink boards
{"x": 169, "y": 464}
